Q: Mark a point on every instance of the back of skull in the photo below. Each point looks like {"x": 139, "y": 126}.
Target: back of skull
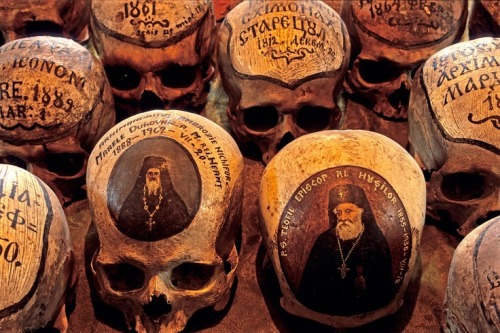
{"x": 58, "y": 18}
{"x": 454, "y": 129}
{"x": 180, "y": 201}
{"x": 35, "y": 252}
{"x": 157, "y": 54}
{"x": 282, "y": 64}
{"x": 55, "y": 103}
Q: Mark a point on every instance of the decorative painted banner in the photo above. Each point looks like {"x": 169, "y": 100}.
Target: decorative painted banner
{"x": 345, "y": 236}
{"x": 25, "y": 219}
{"x": 285, "y": 40}
{"x": 47, "y": 85}
{"x": 409, "y": 23}
{"x": 463, "y": 87}
{"x": 145, "y": 22}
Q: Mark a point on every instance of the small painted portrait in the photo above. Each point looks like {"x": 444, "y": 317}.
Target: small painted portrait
{"x": 349, "y": 268}
{"x": 150, "y": 204}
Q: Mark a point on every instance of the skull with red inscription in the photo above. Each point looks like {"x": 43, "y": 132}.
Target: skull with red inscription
{"x": 282, "y": 66}
{"x": 55, "y": 104}
{"x": 157, "y": 54}
{"x": 59, "y": 18}
{"x": 391, "y": 38}
{"x": 454, "y": 130}
{"x": 168, "y": 230}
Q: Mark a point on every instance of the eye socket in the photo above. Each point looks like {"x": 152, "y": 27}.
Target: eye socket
{"x": 261, "y": 118}
{"x": 377, "y": 71}
{"x": 124, "y": 277}
{"x": 192, "y": 276}
{"x": 122, "y": 77}
{"x": 313, "y": 118}
{"x": 45, "y": 28}
{"x": 2, "y": 39}
{"x": 14, "y": 160}
{"x": 65, "y": 164}
{"x": 462, "y": 186}
{"x": 178, "y": 76}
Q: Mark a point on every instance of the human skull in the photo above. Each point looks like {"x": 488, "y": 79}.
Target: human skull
{"x": 484, "y": 19}
{"x": 55, "y": 104}
{"x": 188, "y": 220}
{"x": 454, "y": 130}
{"x": 282, "y": 65}
{"x": 390, "y": 38}
{"x": 59, "y": 18}
{"x": 342, "y": 272}
{"x": 472, "y": 295}
{"x": 157, "y": 54}
{"x": 36, "y": 263}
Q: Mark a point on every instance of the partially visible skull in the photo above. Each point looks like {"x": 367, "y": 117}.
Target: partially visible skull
{"x": 282, "y": 66}
{"x": 165, "y": 194}
{"x": 389, "y": 40}
{"x": 484, "y": 19}
{"x": 472, "y": 297}
{"x": 157, "y": 54}
{"x": 36, "y": 266}
{"x": 454, "y": 130}
{"x": 56, "y": 103}
{"x": 58, "y": 18}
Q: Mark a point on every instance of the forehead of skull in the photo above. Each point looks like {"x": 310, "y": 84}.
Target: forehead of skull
{"x": 408, "y": 24}
{"x": 15, "y": 5}
{"x": 48, "y": 86}
{"x": 149, "y": 23}
{"x": 27, "y": 211}
{"x": 462, "y": 88}
{"x": 288, "y": 42}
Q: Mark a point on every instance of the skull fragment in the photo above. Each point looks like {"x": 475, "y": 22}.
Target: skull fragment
{"x": 157, "y": 54}
{"x": 168, "y": 229}
{"x": 282, "y": 78}
{"x": 56, "y": 104}
{"x": 454, "y": 131}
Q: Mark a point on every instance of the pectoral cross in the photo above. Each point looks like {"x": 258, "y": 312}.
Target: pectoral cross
{"x": 343, "y": 270}
{"x": 150, "y": 223}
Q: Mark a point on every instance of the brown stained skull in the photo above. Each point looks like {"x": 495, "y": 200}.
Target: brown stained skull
{"x": 168, "y": 231}
{"x": 58, "y": 18}
{"x": 58, "y": 105}
{"x": 157, "y": 55}
{"x": 282, "y": 82}
{"x": 390, "y": 39}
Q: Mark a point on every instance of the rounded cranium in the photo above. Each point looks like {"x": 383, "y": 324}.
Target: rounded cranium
{"x": 157, "y": 54}
{"x": 454, "y": 131}
{"x": 36, "y": 263}
{"x": 58, "y": 18}
{"x": 389, "y": 40}
{"x": 342, "y": 225}
{"x": 55, "y": 104}
{"x": 472, "y": 295}
{"x": 181, "y": 200}
{"x": 282, "y": 66}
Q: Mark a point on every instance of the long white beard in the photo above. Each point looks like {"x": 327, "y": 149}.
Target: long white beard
{"x": 153, "y": 186}
{"x": 347, "y": 231}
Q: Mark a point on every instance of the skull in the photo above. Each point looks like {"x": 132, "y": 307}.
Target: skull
{"x": 343, "y": 229}
{"x": 282, "y": 66}
{"x": 59, "y": 18}
{"x": 472, "y": 294}
{"x": 454, "y": 131}
{"x": 36, "y": 266}
{"x": 180, "y": 201}
{"x": 157, "y": 54}
{"x": 390, "y": 38}
{"x": 484, "y": 19}
{"x": 56, "y": 103}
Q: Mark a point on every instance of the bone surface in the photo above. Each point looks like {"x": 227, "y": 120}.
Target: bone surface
{"x": 454, "y": 130}
{"x": 36, "y": 262}
{"x": 165, "y": 193}
{"x": 340, "y": 273}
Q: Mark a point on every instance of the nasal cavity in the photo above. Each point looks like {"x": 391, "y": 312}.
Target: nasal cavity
{"x": 286, "y": 139}
{"x": 149, "y": 101}
{"x": 157, "y": 307}
{"x": 400, "y": 98}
